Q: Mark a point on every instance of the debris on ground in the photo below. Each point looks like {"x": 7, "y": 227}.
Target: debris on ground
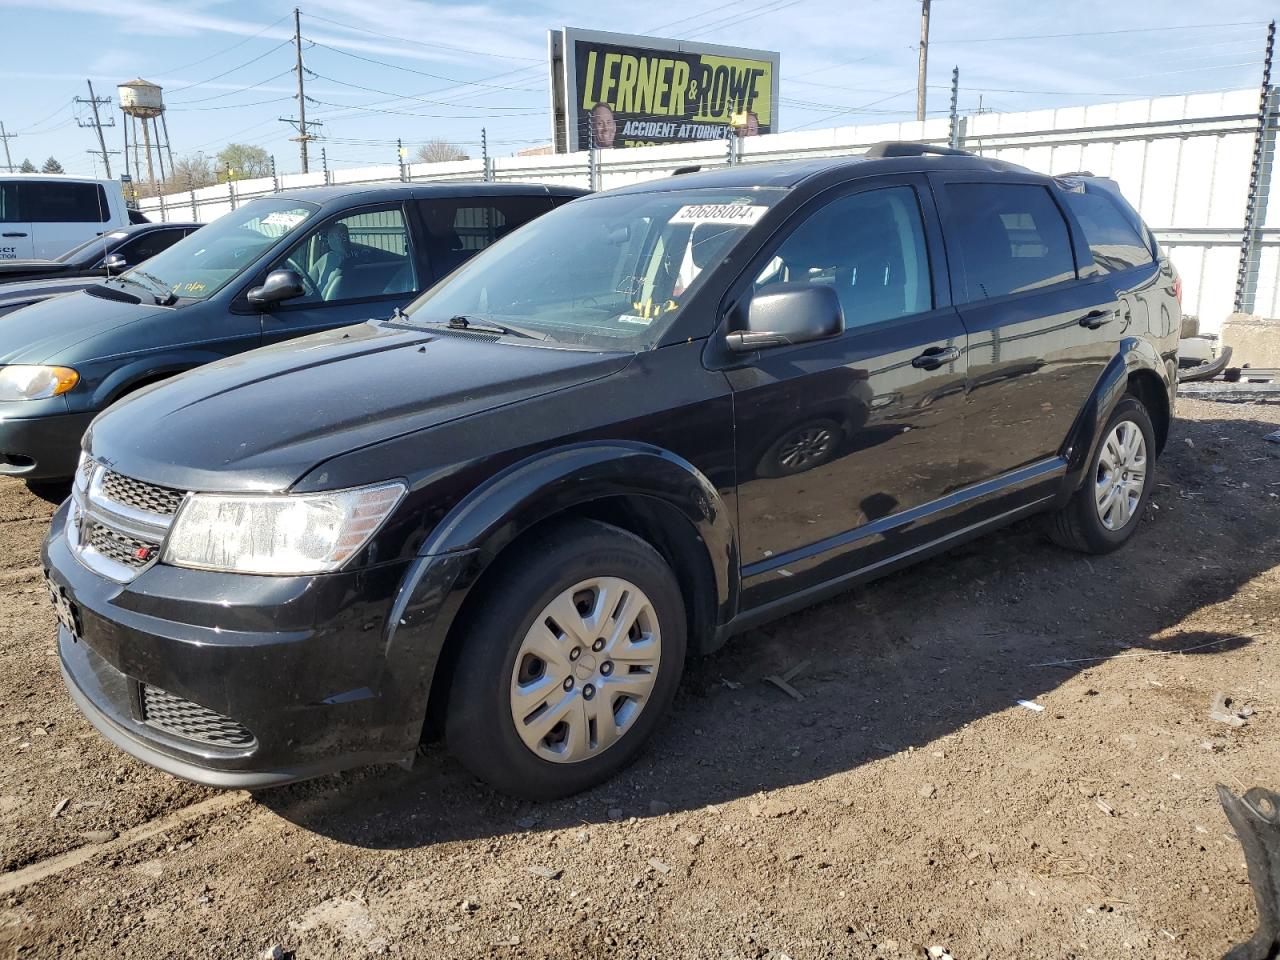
{"x": 547, "y": 873}
{"x": 1226, "y": 710}
{"x": 1031, "y": 705}
{"x": 783, "y": 682}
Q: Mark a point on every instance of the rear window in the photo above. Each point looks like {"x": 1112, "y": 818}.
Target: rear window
{"x": 1113, "y": 239}
{"x": 63, "y": 202}
{"x": 1012, "y": 238}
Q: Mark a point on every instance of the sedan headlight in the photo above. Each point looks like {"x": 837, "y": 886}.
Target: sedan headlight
{"x": 21, "y": 381}
{"x": 278, "y": 534}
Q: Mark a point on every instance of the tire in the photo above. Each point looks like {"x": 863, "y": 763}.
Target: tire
{"x": 1080, "y": 525}
{"x": 562, "y": 746}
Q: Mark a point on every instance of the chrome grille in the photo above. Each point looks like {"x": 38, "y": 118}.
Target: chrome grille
{"x": 188, "y": 720}
{"x": 119, "y": 547}
{"x": 84, "y": 471}
{"x": 162, "y": 501}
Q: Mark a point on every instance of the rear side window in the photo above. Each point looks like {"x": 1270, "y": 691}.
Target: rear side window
{"x": 149, "y": 244}
{"x": 1113, "y": 240}
{"x": 459, "y": 228}
{"x": 9, "y": 212}
{"x": 1012, "y": 238}
{"x": 56, "y": 202}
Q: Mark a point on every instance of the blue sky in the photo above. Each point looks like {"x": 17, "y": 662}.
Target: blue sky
{"x": 226, "y": 64}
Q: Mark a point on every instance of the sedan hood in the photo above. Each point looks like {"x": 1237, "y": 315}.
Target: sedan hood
{"x": 29, "y": 291}
{"x": 262, "y": 420}
{"x": 46, "y": 332}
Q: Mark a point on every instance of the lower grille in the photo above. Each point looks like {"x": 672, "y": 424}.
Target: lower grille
{"x": 188, "y": 720}
{"x": 120, "y": 547}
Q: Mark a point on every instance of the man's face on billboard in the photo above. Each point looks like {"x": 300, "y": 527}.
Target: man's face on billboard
{"x": 603, "y": 127}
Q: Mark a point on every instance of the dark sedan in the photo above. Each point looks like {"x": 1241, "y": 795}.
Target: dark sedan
{"x": 103, "y": 256}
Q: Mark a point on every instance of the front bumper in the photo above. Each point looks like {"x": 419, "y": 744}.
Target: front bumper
{"x": 307, "y": 665}
{"x": 42, "y": 448}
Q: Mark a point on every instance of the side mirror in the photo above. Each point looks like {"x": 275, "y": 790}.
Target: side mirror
{"x": 279, "y": 285}
{"x": 786, "y": 314}
{"x": 115, "y": 263}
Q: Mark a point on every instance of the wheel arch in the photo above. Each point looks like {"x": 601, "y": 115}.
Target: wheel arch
{"x": 144, "y": 371}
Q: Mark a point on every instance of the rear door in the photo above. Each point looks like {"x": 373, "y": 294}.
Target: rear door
{"x": 15, "y": 229}
{"x": 457, "y": 228}
{"x": 1040, "y": 331}
{"x": 355, "y": 266}
{"x": 63, "y": 214}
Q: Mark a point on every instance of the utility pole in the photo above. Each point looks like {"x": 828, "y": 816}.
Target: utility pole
{"x": 922, "y": 78}
{"x": 94, "y": 102}
{"x": 302, "y": 97}
{"x": 6, "y": 137}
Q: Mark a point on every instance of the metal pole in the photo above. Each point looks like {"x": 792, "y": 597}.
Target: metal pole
{"x": 1259, "y": 186}
{"x": 168, "y": 147}
{"x": 137, "y": 144}
{"x": 191, "y": 188}
{"x": 324, "y": 164}
{"x": 954, "y": 138}
{"x": 922, "y": 77}
{"x": 302, "y": 97}
{"x": 8, "y": 161}
{"x": 400, "y": 157}
{"x": 275, "y": 181}
{"x": 124, "y": 125}
{"x": 159, "y": 152}
{"x": 97, "y": 125}
{"x": 484, "y": 153}
{"x": 151, "y": 172}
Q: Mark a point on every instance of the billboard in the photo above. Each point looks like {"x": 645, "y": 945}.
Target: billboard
{"x": 615, "y": 90}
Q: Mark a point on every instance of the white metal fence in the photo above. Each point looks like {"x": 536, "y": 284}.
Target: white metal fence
{"x": 1183, "y": 161}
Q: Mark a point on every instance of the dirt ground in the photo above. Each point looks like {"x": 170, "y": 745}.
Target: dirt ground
{"x": 906, "y": 802}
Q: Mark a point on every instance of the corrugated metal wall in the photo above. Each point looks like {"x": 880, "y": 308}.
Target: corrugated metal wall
{"x": 1182, "y": 161}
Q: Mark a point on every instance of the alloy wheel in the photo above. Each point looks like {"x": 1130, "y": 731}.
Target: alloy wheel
{"x": 1121, "y": 476}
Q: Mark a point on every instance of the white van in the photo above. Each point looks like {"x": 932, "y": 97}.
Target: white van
{"x": 44, "y": 215}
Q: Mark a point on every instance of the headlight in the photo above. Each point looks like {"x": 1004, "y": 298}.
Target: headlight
{"x": 278, "y": 534}
{"x": 19, "y": 381}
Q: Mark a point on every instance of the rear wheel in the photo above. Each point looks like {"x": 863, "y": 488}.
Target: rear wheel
{"x": 570, "y": 663}
{"x": 1105, "y": 512}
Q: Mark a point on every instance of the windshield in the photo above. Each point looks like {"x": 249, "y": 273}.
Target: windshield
{"x": 201, "y": 264}
{"x": 98, "y": 244}
{"x": 611, "y": 272}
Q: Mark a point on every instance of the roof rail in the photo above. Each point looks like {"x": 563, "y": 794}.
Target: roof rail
{"x": 679, "y": 171}
{"x": 907, "y": 148}
{"x": 1075, "y": 173}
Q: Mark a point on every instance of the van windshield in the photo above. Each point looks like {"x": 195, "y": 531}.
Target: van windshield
{"x": 611, "y": 272}
{"x": 198, "y": 266}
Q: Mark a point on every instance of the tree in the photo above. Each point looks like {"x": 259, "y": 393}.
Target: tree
{"x": 52, "y": 166}
{"x": 192, "y": 171}
{"x": 434, "y": 151}
{"x": 244, "y": 160}
{"x": 27, "y": 167}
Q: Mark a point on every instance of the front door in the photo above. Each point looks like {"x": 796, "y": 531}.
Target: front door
{"x": 354, "y": 267}
{"x": 15, "y": 230}
{"x": 844, "y": 444}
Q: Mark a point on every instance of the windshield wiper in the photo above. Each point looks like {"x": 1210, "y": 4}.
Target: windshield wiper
{"x": 460, "y": 322}
{"x": 129, "y": 279}
{"x": 169, "y": 295}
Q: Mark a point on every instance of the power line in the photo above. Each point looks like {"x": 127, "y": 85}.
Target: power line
{"x": 232, "y": 93}
{"x": 241, "y": 43}
{"x": 231, "y": 106}
{"x": 858, "y": 109}
{"x": 421, "y": 73}
{"x": 773, "y": 7}
{"x": 420, "y": 43}
{"x": 241, "y": 66}
{"x": 395, "y": 96}
{"x": 1106, "y": 33}
{"x": 425, "y": 116}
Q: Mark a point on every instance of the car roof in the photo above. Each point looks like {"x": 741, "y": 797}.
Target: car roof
{"x": 424, "y": 191}
{"x": 787, "y": 174}
{"x": 58, "y": 177}
{"x": 156, "y": 225}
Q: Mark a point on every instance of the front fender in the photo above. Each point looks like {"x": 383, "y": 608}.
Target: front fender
{"x": 118, "y": 381}
{"x": 475, "y": 532}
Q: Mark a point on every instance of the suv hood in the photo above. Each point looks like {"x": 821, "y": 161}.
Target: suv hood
{"x": 263, "y": 419}
{"x": 45, "y": 332}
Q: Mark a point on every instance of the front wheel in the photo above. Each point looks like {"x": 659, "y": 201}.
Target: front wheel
{"x": 570, "y": 663}
{"x": 1105, "y": 512}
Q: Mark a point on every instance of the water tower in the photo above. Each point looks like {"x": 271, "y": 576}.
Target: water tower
{"x": 142, "y": 100}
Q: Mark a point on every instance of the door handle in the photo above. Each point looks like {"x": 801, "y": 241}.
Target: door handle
{"x": 1096, "y": 318}
{"x": 935, "y": 357}
{"x": 15, "y": 234}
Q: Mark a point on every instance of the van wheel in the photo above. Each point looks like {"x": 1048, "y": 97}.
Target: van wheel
{"x": 570, "y": 663}
{"x": 1106, "y": 510}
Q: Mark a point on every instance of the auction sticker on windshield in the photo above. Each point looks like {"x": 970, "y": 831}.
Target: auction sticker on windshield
{"x": 743, "y": 213}
{"x": 283, "y": 218}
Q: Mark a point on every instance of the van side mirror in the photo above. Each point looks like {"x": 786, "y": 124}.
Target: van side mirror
{"x": 788, "y": 313}
{"x": 115, "y": 263}
{"x": 279, "y": 285}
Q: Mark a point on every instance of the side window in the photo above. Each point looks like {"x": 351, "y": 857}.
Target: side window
{"x": 1012, "y": 238}
{"x": 1113, "y": 240}
{"x": 64, "y": 202}
{"x": 9, "y": 212}
{"x": 149, "y": 244}
{"x": 355, "y": 257}
{"x": 459, "y": 228}
{"x": 870, "y": 247}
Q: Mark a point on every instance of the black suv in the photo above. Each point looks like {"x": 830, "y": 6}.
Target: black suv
{"x": 647, "y": 421}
